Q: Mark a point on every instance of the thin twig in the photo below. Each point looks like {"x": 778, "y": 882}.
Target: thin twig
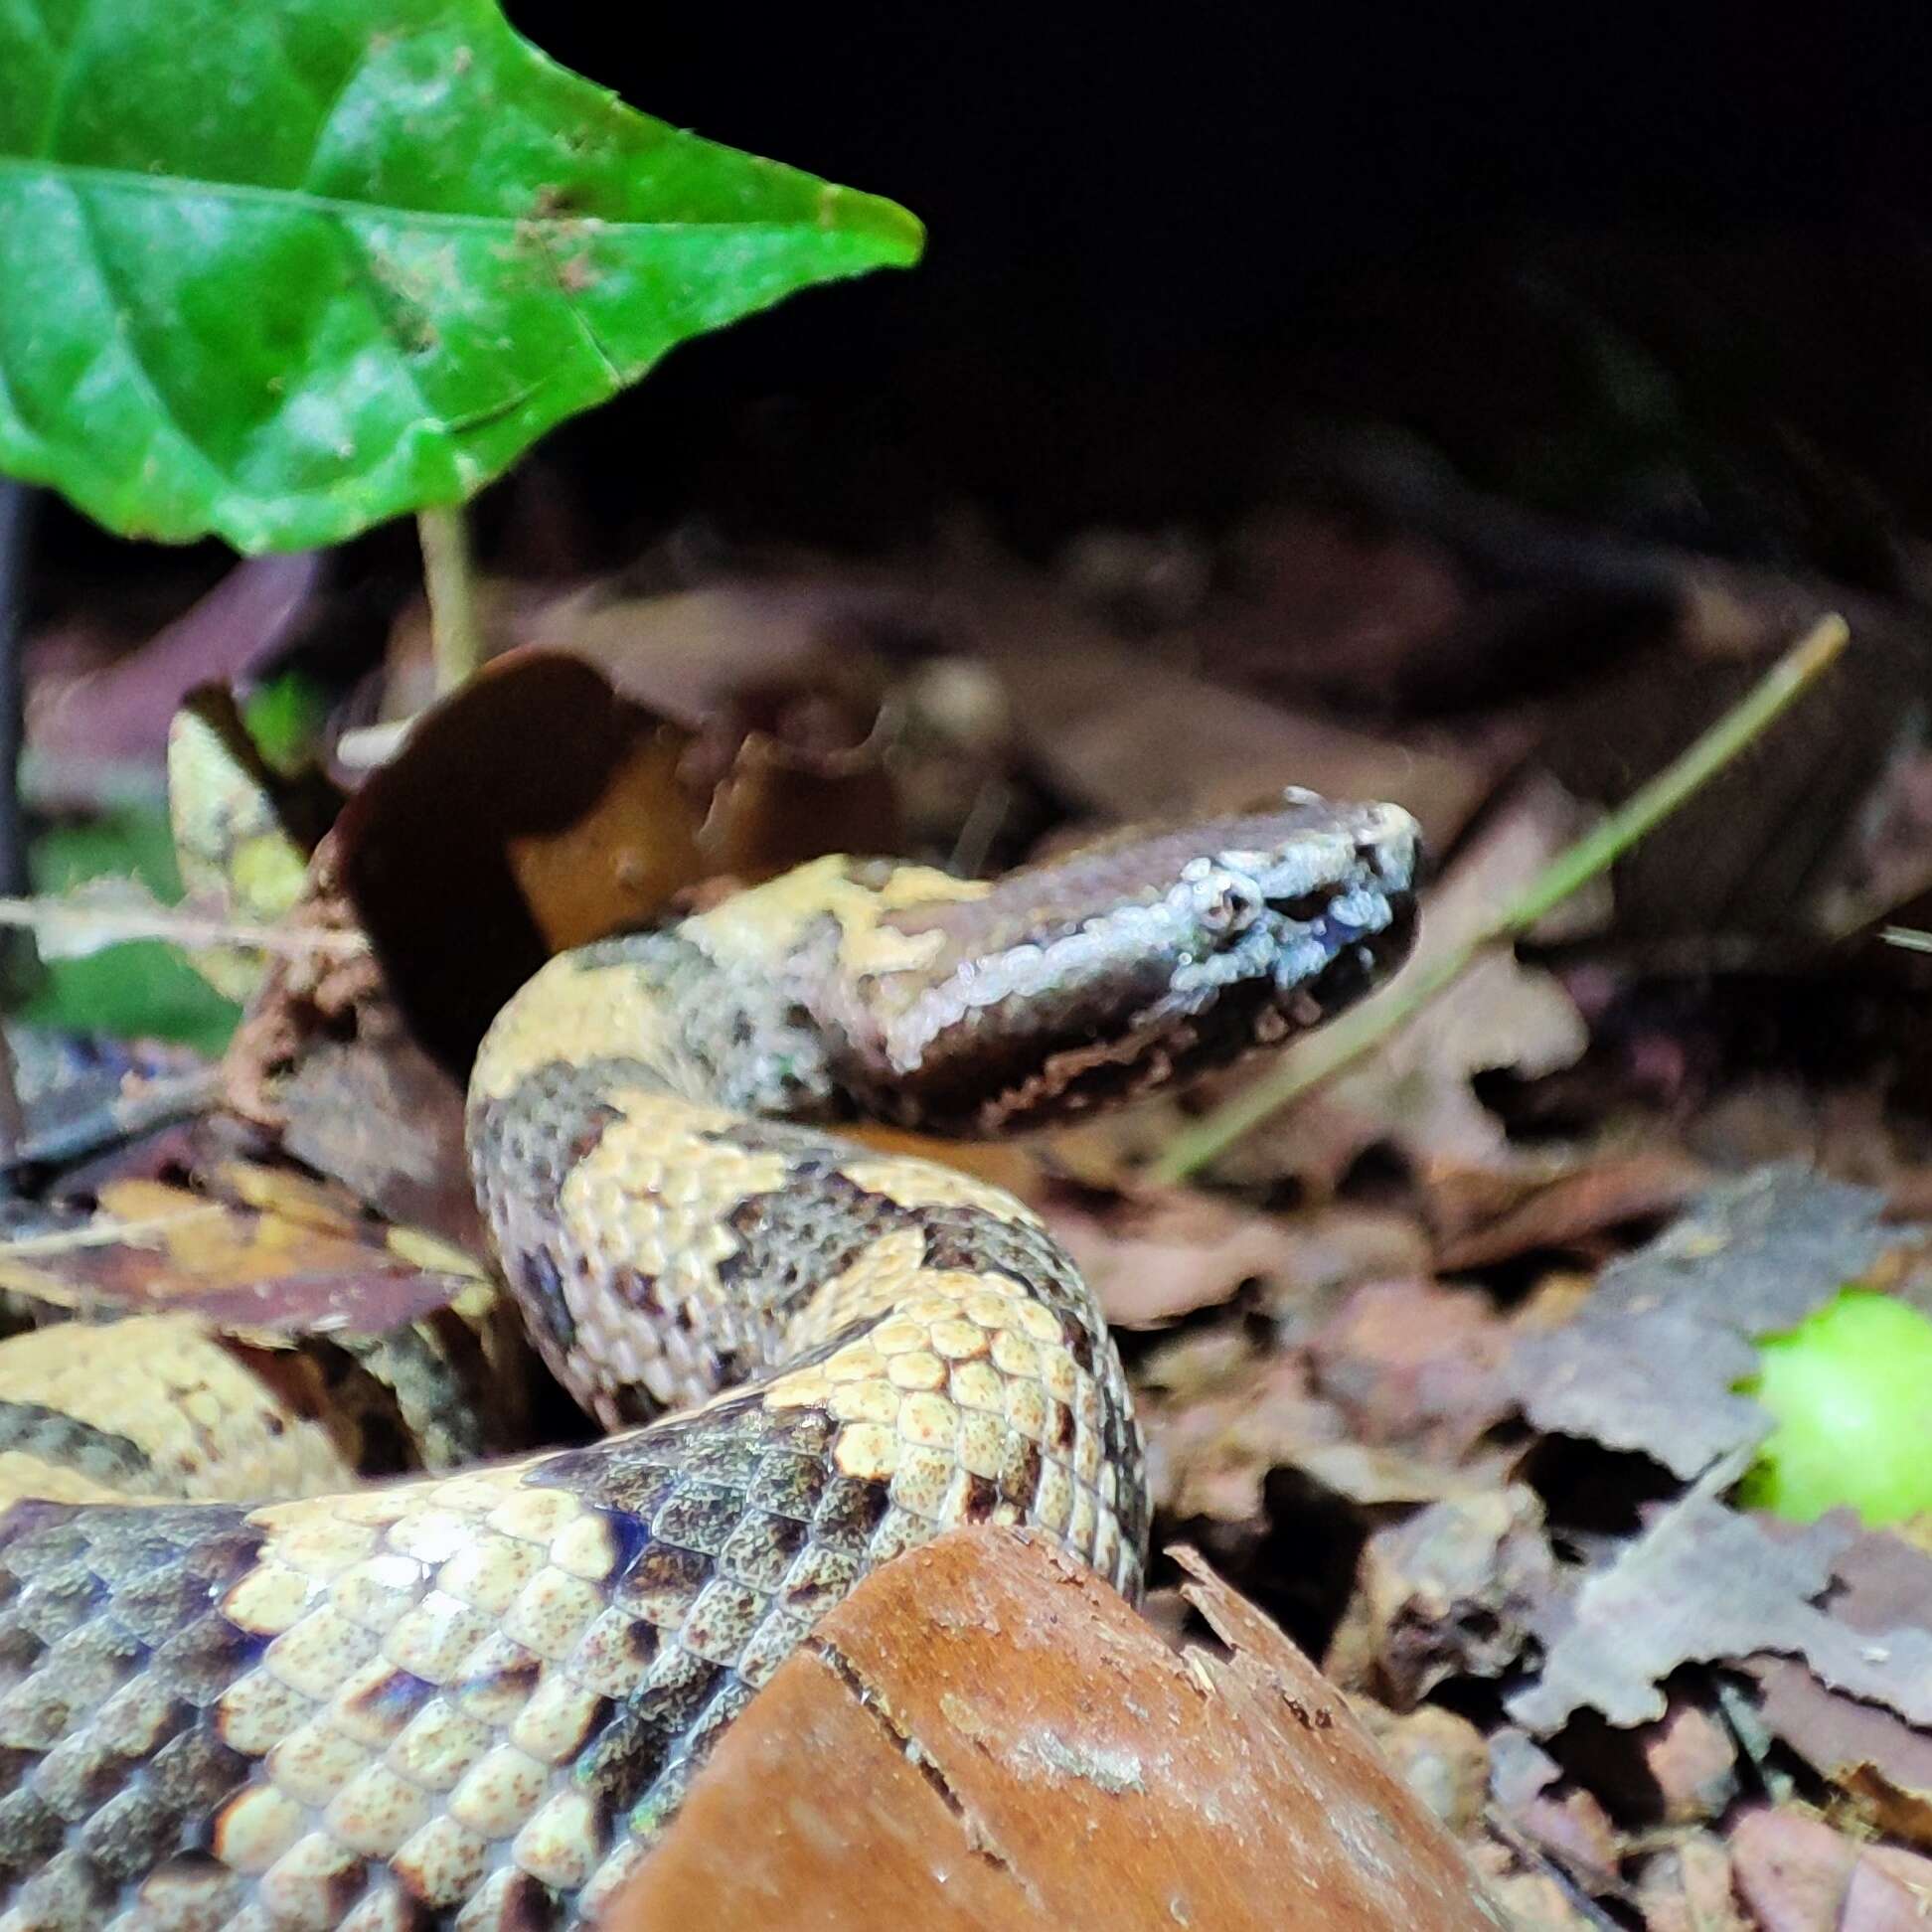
{"x": 1319, "y": 1056}
{"x": 455, "y": 640}
{"x": 69, "y": 920}
{"x": 1538, "y": 1857}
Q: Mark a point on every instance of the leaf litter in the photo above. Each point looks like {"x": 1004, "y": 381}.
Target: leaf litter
{"x": 1399, "y": 1323}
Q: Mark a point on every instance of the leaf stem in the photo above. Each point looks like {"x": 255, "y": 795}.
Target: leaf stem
{"x": 1319, "y": 1056}
{"x": 451, "y": 580}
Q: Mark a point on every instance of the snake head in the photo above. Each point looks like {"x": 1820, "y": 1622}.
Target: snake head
{"x": 1129, "y": 966}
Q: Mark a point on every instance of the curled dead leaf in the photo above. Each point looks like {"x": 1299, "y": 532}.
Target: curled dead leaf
{"x": 564, "y": 811}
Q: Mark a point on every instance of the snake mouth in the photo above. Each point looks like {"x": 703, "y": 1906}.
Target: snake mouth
{"x": 1359, "y": 962}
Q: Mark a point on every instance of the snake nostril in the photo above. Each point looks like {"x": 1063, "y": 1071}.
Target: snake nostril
{"x": 1224, "y": 902}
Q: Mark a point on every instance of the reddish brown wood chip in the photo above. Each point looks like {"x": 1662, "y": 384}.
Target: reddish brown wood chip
{"x": 985, "y": 1736}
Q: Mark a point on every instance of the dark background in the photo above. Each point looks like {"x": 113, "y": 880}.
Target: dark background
{"x": 1160, "y": 240}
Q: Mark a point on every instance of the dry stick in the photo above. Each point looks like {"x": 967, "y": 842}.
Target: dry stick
{"x": 65, "y": 922}
{"x": 455, "y": 639}
{"x": 1321, "y": 1056}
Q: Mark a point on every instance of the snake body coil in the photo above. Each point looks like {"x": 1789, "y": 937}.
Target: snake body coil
{"x": 474, "y": 1700}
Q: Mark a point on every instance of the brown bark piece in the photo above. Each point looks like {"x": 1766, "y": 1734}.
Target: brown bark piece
{"x": 985, "y": 1736}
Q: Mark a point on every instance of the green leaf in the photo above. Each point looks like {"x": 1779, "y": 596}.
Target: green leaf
{"x": 279, "y": 269}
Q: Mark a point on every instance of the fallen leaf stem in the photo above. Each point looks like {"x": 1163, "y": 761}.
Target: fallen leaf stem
{"x": 455, "y": 640}
{"x": 1319, "y": 1056}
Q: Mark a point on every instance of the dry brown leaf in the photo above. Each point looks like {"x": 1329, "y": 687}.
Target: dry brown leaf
{"x": 377, "y": 1114}
{"x": 535, "y": 849}
{"x": 121, "y": 711}
{"x": 1212, "y": 1447}
{"x": 1574, "y": 1831}
{"x": 1795, "y": 1875}
{"x": 324, "y": 1061}
{"x": 1452, "y": 1591}
{"x": 1415, "y": 1363}
{"x": 1652, "y": 1358}
{"x": 984, "y": 1736}
{"x": 81, "y": 1096}
{"x": 278, "y": 1263}
{"x": 1705, "y": 1584}
{"x": 295, "y": 1260}
{"x": 1135, "y": 738}
{"x": 1332, "y": 604}
{"x": 1686, "y": 1887}
{"x": 1532, "y": 1897}
{"x": 1482, "y": 1216}
{"x": 1882, "y": 1763}
{"x": 1156, "y": 1254}
{"x": 1691, "y": 1760}
{"x": 687, "y": 654}
{"x": 1443, "y": 1758}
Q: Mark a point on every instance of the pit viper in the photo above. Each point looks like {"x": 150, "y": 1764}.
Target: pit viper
{"x": 475, "y": 1700}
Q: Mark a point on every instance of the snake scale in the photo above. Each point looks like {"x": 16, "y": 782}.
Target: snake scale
{"x": 473, "y": 1700}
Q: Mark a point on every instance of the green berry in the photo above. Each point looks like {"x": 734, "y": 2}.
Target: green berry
{"x": 1852, "y": 1388}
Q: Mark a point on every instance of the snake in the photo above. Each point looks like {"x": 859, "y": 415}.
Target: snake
{"x": 476, "y": 1699}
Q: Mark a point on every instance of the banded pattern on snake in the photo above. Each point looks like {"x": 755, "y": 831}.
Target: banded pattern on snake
{"x": 474, "y": 1700}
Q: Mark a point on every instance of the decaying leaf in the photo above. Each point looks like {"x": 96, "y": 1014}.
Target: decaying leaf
{"x": 1651, "y": 1361}
{"x": 1882, "y": 1763}
{"x": 1795, "y": 1875}
{"x": 983, "y": 1738}
{"x": 123, "y": 709}
{"x": 1482, "y": 1216}
{"x": 1443, "y": 1758}
{"x": 1211, "y": 1450}
{"x": 1691, "y": 1761}
{"x": 79, "y": 1094}
{"x": 1454, "y": 1590}
{"x": 1154, "y": 1255}
{"x": 278, "y": 1263}
{"x": 377, "y": 1114}
{"x": 1686, "y": 1887}
{"x": 1571, "y": 1828}
{"x": 1704, "y": 1583}
{"x": 1138, "y": 738}
{"x": 323, "y": 1060}
{"x": 1415, "y": 1362}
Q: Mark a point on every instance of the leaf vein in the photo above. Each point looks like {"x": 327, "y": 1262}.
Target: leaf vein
{"x": 164, "y": 404}
{"x": 347, "y": 208}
